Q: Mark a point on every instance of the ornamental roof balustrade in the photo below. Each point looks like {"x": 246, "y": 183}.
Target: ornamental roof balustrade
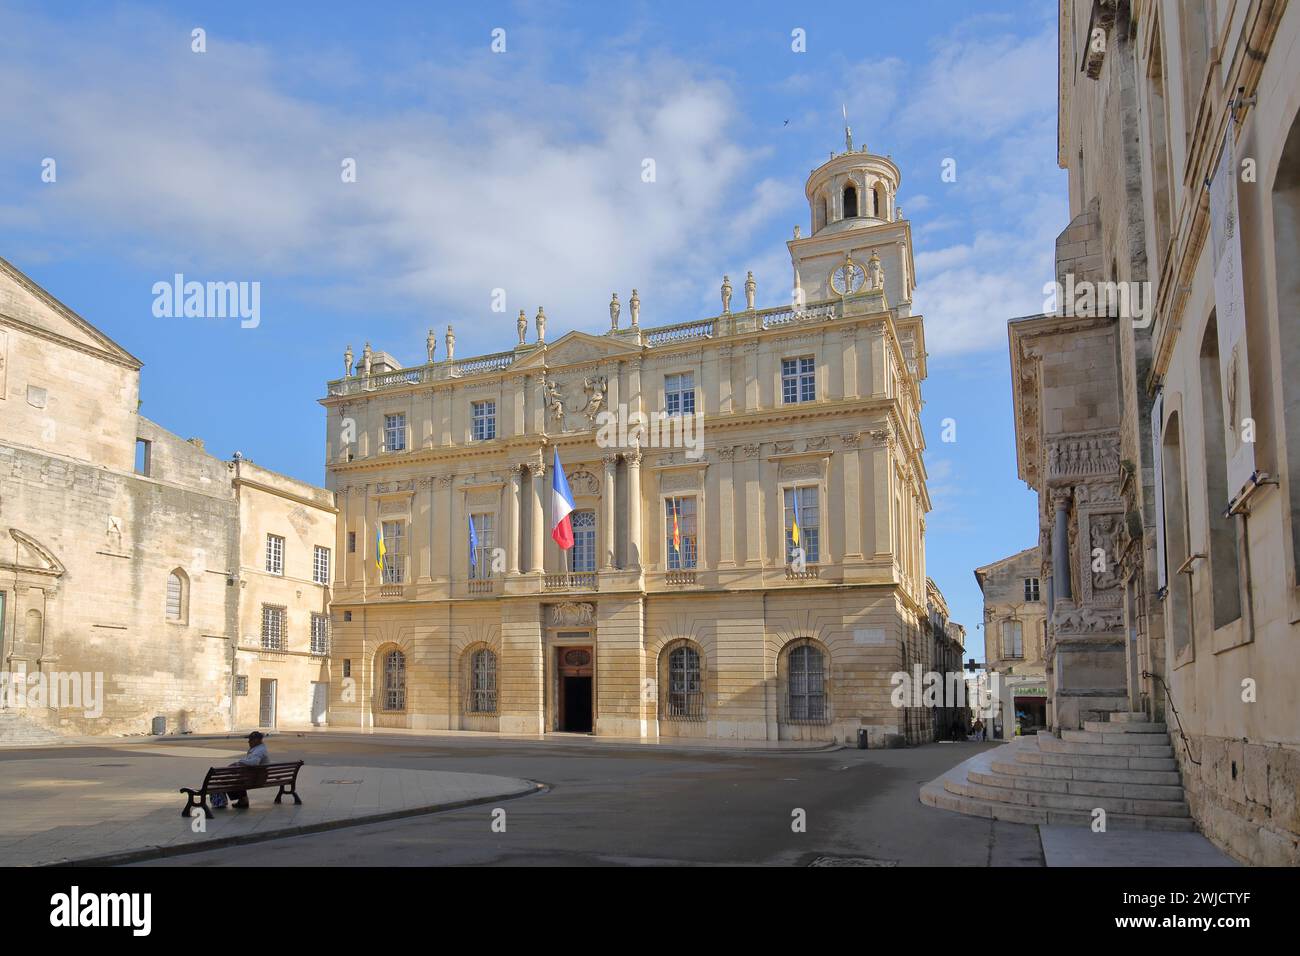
{"x": 720, "y": 326}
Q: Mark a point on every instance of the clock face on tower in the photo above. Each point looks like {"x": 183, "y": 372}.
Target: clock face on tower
{"x": 848, "y": 278}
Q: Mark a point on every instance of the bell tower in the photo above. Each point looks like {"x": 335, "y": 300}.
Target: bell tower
{"x": 856, "y": 225}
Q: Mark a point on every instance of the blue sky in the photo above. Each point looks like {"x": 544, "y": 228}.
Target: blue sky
{"x": 521, "y": 171}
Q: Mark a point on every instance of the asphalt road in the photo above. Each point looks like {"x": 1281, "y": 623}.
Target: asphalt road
{"x": 610, "y": 805}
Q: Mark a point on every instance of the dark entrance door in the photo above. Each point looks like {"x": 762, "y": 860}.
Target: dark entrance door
{"x": 575, "y": 709}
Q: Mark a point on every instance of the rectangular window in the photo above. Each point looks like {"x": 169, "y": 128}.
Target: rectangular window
{"x": 394, "y": 570}
{"x": 798, "y": 380}
{"x": 320, "y": 565}
{"x": 241, "y": 685}
{"x": 272, "y": 628}
{"x": 680, "y": 533}
{"x": 809, "y": 519}
{"x": 1031, "y": 589}
{"x": 485, "y": 529}
{"x": 484, "y": 420}
{"x": 679, "y": 393}
{"x": 347, "y": 667}
{"x": 320, "y": 635}
{"x": 352, "y": 542}
{"x": 395, "y": 432}
{"x": 274, "y": 554}
{"x": 143, "y": 456}
{"x": 583, "y": 554}
{"x": 1012, "y": 639}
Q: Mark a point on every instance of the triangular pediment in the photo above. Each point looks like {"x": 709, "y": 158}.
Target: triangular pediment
{"x": 578, "y": 348}
{"x": 26, "y": 304}
{"x": 31, "y": 555}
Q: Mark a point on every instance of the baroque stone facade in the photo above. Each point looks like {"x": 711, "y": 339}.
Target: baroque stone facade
{"x": 1163, "y": 434}
{"x": 683, "y": 610}
{"x": 132, "y": 559}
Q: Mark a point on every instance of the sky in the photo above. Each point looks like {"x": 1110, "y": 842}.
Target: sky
{"x": 520, "y": 169}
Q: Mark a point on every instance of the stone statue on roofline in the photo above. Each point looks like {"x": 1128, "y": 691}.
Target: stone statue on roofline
{"x": 521, "y": 326}
{"x": 541, "y": 326}
{"x": 430, "y": 345}
{"x": 451, "y": 343}
{"x": 726, "y": 294}
{"x": 365, "y": 360}
{"x": 750, "y": 287}
{"x": 635, "y": 305}
{"x": 347, "y": 362}
{"x": 614, "y": 309}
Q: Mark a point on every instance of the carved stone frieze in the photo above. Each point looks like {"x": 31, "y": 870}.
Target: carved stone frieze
{"x": 573, "y": 614}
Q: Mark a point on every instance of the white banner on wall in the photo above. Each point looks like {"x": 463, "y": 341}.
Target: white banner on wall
{"x": 1230, "y": 314}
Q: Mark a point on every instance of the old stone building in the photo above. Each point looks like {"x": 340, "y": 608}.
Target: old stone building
{"x": 1157, "y": 411}
{"x": 132, "y": 559}
{"x": 685, "y": 608}
{"x": 1015, "y": 637}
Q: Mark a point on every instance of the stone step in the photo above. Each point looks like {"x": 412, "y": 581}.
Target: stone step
{"x": 1125, "y": 717}
{"x": 17, "y": 730}
{"x": 1126, "y": 727}
{"x": 937, "y": 796}
{"x": 1090, "y": 760}
{"x": 1089, "y": 788}
{"x": 1049, "y": 744}
{"x": 1100, "y": 774}
{"x": 1134, "y": 739}
{"x": 1067, "y": 801}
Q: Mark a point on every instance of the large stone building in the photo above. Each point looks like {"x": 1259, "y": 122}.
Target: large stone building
{"x": 1158, "y": 408}
{"x": 1015, "y": 637}
{"x": 133, "y": 578}
{"x": 683, "y": 610}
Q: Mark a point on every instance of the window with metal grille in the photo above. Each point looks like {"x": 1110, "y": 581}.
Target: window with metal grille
{"x": 1012, "y": 639}
{"x": 483, "y": 682}
{"x": 320, "y": 565}
{"x": 484, "y": 420}
{"x": 320, "y": 635}
{"x": 175, "y": 597}
{"x": 394, "y": 681}
{"x": 347, "y": 667}
{"x": 1031, "y": 589}
{"x": 241, "y": 685}
{"x": 272, "y": 628}
{"x": 274, "y": 554}
{"x": 806, "y": 693}
{"x": 685, "y": 684}
{"x": 583, "y": 554}
{"x": 394, "y": 567}
{"x": 395, "y": 432}
{"x": 809, "y": 523}
{"x": 679, "y": 393}
{"x": 485, "y": 529}
{"x": 680, "y": 546}
{"x": 799, "y": 379}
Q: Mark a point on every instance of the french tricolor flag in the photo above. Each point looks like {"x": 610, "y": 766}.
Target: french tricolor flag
{"x": 561, "y": 505}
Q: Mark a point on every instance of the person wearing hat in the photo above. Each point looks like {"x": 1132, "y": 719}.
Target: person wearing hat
{"x": 257, "y": 756}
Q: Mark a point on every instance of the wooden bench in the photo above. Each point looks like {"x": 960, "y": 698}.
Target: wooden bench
{"x": 235, "y": 779}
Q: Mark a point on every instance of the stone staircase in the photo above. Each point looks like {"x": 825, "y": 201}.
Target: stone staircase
{"x": 1125, "y": 766}
{"x": 17, "y": 730}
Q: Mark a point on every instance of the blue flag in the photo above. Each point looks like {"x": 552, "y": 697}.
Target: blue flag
{"x": 473, "y": 544}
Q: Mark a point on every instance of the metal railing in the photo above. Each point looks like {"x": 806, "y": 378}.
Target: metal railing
{"x": 573, "y": 581}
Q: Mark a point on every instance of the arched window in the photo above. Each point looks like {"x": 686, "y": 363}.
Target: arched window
{"x": 583, "y": 553}
{"x": 806, "y": 684}
{"x": 1224, "y": 569}
{"x": 685, "y": 697}
{"x": 1179, "y": 607}
{"x": 850, "y": 202}
{"x": 482, "y": 682}
{"x": 177, "y": 596}
{"x": 826, "y": 215}
{"x": 877, "y": 202}
{"x": 394, "y": 681}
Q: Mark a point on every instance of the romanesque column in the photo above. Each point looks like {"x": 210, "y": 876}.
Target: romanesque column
{"x": 607, "y": 513}
{"x": 1061, "y": 544}
{"x": 512, "y": 521}
{"x": 633, "y": 460}
{"x": 538, "y": 526}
